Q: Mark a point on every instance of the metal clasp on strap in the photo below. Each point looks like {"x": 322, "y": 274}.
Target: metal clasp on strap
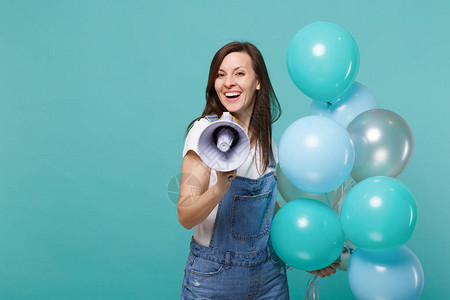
{"x": 227, "y": 260}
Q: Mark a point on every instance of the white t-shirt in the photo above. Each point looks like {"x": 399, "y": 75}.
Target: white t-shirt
{"x": 203, "y": 231}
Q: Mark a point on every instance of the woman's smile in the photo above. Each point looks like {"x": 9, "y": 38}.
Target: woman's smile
{"x": 232, "y": 96}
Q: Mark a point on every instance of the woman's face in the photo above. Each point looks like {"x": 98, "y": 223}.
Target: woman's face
{"x": 236, "y": 83}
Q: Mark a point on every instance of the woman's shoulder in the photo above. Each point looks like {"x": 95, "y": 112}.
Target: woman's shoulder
{"x": 200, "y": 124}
{"x": 196, "y": 130}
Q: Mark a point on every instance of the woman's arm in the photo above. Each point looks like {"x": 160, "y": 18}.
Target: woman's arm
{"x": 196, "y": 201}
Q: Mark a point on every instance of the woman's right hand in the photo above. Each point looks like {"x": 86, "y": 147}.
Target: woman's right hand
{"x": 224, "y": 180}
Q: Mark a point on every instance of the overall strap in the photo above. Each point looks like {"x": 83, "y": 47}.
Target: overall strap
{"x": 212, "y": 118}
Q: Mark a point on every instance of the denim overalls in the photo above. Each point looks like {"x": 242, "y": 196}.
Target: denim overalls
{"x": 240, "y": 262}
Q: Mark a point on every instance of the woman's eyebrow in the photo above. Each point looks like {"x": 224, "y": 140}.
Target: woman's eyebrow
{"x": 235, "y": 68}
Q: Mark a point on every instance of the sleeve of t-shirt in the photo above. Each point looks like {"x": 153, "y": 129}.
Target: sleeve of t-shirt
{"x": 191, "y": 142}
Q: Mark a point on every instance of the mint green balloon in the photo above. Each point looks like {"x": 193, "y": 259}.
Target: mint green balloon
{"x": 307, "y": 234}
{"x": 323, "y": 61}
{"x": 379, "y": 213}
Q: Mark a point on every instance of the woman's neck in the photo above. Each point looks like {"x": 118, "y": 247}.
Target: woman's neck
{"x": 244, "y": 122}
{"x": 244, "y": 117}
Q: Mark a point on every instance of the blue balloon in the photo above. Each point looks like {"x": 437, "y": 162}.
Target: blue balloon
{"x": 379, "y": 213}
{"x": 307, "y": 234}
{"x": 395, "y": 274}
{"x": 356, "y": 99}
{"x": 323, "y": 60}
{"x": 316, "y": 154}
{"x": 290, "y": 192}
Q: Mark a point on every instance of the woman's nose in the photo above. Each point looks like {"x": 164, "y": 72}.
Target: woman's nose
{"x": 229, "y": 81}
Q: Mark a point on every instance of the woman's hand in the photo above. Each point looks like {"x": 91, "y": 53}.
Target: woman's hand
{"x": 224, "y": 180}
{"x": 327, "y": 271}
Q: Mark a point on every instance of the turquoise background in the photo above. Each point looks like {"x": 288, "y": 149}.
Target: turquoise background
{"x": 95, "y": 97}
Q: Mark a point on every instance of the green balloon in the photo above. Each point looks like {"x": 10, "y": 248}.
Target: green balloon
{"x": 379, "y": 213}
{"x": 307, "y": 234}
{"x": 323, "y": 61}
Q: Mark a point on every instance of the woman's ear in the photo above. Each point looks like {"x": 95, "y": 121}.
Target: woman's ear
{"x": 258, "y": 86}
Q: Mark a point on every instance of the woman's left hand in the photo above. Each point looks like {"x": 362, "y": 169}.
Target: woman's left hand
{"x": 327, "y": 271}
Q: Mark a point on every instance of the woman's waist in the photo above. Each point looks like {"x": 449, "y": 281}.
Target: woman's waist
{"x": 249, "y": 258}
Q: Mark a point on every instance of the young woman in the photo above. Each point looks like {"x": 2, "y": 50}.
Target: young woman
{"x": 230, "y": 253}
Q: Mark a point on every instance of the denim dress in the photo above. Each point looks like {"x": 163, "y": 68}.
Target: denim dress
{"x": 240, "y": 262}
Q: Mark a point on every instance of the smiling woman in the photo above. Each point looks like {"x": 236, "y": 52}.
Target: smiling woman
{"x": 236, "y": 85}
{"x": 265, "y": 108}
{"x": 231, "y": 256}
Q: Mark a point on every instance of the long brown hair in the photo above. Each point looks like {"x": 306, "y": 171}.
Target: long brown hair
{"x": 266, "y": 110}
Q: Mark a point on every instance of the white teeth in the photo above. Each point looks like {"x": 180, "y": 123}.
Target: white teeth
{"x": 232, "y": 94}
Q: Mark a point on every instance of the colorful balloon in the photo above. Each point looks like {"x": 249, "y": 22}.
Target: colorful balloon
{"x": 379, "y": 213}
{"x": 316, "y": 154}
{"x": 395, "y": 274}
{"x": 307, "y": 234}
{"x": 355, "y": 100}
{"x": 383, "y": 144}
{"x": 289, "y": 192}
{"x": 322, "y": 60}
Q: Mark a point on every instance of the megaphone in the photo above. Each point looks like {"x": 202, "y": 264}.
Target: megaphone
{"x": 224, "y": 145}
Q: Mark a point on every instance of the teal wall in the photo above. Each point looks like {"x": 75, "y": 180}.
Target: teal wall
{"x": 94, "y": 100}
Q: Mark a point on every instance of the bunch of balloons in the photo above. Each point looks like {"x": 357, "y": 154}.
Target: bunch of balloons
{"x": 345, "y": 135}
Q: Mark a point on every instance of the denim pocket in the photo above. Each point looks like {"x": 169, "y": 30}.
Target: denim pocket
{"x": 205, "y": 268}
{"x": 187, "y": 268}
{"x": 275, "y": 260}
{"x": 250, "y": 216}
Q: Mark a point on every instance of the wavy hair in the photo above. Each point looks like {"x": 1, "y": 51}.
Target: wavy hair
{"x": 266, "y": 109}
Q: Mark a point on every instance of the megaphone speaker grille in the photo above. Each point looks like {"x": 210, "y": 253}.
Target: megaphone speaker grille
{"x": 234, "y": 131}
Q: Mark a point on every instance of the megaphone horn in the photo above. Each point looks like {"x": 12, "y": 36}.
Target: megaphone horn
{"x": 224, "y": 145}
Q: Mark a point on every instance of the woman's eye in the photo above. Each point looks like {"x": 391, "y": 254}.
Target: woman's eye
{"x": 240, "y": 73}
{"x": 220, "y": 75}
